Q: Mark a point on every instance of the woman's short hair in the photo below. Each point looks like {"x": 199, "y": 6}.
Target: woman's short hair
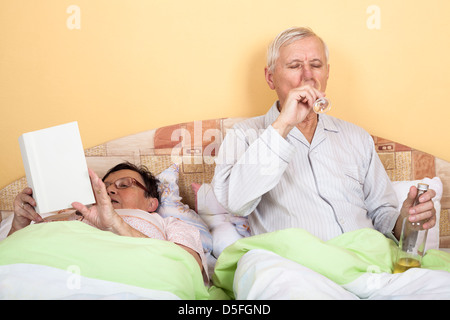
{"x": 285, "y": 38}
{"x": 151, "y": 183}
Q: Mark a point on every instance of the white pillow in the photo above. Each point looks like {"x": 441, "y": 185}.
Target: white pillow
{"x": 402, "y": 188}
{"x": 224, "y": 227}
{"x": 171, "y": 205}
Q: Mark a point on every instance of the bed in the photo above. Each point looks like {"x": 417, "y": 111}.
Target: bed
{"x": 182, "y": 156}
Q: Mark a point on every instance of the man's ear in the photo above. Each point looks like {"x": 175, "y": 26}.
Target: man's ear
{"x": 269, "y": 78}
{"x": 153, "y": 204}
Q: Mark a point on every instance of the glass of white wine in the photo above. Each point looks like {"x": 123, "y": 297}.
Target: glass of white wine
{"x": 321, "y": 105}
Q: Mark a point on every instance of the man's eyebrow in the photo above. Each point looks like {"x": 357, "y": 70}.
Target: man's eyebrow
{"x": 301, "y": 61}
{"x": 294, "y": 61}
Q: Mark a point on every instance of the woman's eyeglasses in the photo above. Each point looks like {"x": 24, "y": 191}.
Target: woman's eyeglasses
{"x": 126, "y": 182}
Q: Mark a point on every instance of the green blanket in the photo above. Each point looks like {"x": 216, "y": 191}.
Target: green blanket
{"x": 342, "y": 259}
{"x": 163, "y": 266}
{"x": 142, "y": 262}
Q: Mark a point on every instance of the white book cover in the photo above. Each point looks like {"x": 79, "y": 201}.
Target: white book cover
{"x": 55, "y": 167}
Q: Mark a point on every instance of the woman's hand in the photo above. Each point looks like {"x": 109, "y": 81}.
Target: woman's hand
{"x": 24, "y": 212}
{"x": 102, "y": 215}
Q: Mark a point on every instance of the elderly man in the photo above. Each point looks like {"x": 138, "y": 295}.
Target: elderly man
{"x": 324, "y": 165}
{"x": 293, "y": 168}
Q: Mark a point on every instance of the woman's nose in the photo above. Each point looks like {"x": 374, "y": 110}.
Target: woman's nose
{"x": 111, "y": 189}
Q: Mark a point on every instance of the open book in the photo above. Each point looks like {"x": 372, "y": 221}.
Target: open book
{"x": 56, "y": 168}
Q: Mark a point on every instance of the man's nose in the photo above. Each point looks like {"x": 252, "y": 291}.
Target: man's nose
{"x": 307, "y": 73}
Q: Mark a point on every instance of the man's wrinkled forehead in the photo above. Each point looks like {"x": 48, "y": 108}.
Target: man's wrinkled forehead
{"x": 306, "y": 50}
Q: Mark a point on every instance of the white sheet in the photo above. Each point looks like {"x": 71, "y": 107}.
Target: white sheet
{"x": 26, "y": 281}
{"x": 263, "y": 274}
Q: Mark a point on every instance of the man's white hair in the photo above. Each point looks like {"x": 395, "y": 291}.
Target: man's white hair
{"x": 285, "y": 38}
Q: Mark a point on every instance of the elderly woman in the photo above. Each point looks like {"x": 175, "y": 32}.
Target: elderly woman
{"x": 127, "y": 199}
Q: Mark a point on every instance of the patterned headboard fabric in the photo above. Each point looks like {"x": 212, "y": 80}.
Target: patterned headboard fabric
{"x": 194, "y": 145}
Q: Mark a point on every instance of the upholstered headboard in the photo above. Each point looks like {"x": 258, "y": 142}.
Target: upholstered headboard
{"x": 193, "y": 146}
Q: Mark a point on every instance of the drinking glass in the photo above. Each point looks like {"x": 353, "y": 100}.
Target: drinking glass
{"x": 321, "y": 105}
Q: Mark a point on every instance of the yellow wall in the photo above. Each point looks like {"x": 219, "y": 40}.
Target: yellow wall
{"x": 122, "y": 67}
